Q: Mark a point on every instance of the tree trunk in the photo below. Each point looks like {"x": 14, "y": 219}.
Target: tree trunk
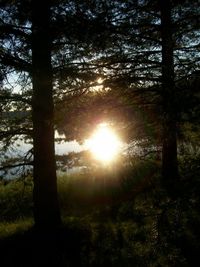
{"x": 46, "y": 207}
{"x": 169, "y": 148}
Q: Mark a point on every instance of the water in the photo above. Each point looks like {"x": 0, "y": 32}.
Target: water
{"x": 20, "y": 149}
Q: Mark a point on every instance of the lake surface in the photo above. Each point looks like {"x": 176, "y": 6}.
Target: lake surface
{"x": 20, "y": 149}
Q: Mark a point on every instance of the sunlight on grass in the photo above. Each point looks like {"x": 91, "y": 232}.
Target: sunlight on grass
{"x": 19, "y": 226}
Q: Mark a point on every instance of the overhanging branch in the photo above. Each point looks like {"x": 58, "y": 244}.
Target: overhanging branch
{"x": 10, "y": 166}
{"x": 15, "y": 97}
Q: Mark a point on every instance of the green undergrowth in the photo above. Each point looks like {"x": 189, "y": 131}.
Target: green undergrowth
{"x": 110, "y": 218}
{"x": 10, "y": 228}
{"x": 80, "y": 194}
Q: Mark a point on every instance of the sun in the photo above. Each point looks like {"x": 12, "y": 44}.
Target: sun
{"x": 104, "y": 144}
{"x": 99, "y": 80}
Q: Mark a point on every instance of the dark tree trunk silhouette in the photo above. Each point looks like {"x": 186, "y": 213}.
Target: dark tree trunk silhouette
{"x": 46, "y": 207}
{"x": 169, "y": 148}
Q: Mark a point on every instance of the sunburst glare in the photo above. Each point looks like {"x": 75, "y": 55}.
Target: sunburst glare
{"x": 104, "y": 144}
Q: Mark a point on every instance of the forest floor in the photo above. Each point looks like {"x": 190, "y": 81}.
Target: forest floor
{"x": 106, "y": 222}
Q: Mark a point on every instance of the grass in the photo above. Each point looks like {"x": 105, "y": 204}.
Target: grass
{"x": 16, "y": 200}
{"x": 10, "y": 228}
{"x": 80, "y": 241}
{"x": 109, "y": 219}
{"x": 90, "y": 235}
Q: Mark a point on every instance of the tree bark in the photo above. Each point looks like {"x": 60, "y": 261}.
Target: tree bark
{"x": 46, "y": 207}
{"x": 169, "y": 147}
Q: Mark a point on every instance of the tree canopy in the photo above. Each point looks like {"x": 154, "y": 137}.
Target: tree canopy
{"x": 69, "y": 65}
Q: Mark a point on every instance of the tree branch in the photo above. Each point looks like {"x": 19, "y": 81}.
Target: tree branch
{"x": 14, "y": 61}
{"x": 15, "y": 97}
{"x": 4, "y": 134}
{"x": 2, "y": 168}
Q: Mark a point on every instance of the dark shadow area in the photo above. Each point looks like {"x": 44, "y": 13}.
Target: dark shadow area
{"x": 43, "y": 248}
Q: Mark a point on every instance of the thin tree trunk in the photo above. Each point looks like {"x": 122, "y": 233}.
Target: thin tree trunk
{"x": 169, "y": 148}
{"x": 46, "y": 207}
